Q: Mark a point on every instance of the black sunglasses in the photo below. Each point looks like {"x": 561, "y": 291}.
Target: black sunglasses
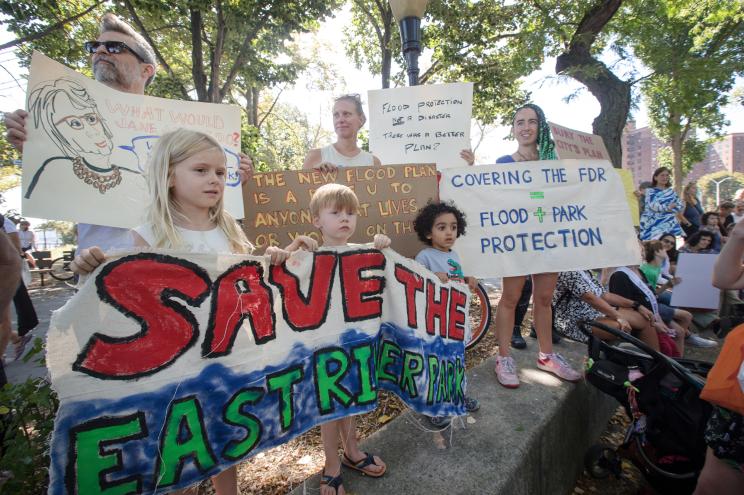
{"x": 111, "y": 47}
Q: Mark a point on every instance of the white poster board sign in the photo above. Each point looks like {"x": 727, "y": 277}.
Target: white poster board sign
{"x": 696, "y": 289}
{"x": 570, "y": 143}
{"x": 421, "y": 124}
{"x": 536, "y": 217}
{"x": 87, "y": 146}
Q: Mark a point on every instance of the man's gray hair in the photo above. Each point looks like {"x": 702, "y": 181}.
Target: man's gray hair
{"x": 110, "y": 22}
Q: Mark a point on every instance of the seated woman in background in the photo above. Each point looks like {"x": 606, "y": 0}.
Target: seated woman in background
{"x": 654, "y": 257}
{"x": 579, "y": 296}
{"x": 628, "y": 282}
{"x": 700, "y": 242}
{"x": 670, "y": 246}
{"x": 711, "y": 222}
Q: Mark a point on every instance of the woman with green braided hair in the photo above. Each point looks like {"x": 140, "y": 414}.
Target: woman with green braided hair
{"x": 530, "y": 128}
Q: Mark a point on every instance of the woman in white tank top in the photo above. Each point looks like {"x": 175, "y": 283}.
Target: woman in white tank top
{"x": 348, "y": 118}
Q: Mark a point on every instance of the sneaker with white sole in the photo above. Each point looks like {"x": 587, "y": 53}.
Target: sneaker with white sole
{"x": 506, "y": 372}
{"x": 557, "y": 364}
{"x": 694, "y": 340}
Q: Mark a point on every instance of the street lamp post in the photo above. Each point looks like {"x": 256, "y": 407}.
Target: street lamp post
{"x": 718, "y": 188}
{"x": 408, "y": 13}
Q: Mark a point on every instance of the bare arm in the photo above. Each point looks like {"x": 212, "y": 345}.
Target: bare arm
{"x": 728, "y": 272}
{"x": 312, "y": 159}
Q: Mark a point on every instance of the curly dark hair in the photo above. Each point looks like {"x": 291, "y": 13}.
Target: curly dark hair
{"x": 694, "y": 239}
{"x": 424, "y": 222}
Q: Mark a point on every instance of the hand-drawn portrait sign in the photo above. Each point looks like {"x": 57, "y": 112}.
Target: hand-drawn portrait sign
{"x": 537, "y": 217}
{"x": 421, "y": 124}
{"x": 576, "y": 144}
{"x": 88, "y": 145}
{"x": 277, "y": 203}
{"x": 172, "y": 367}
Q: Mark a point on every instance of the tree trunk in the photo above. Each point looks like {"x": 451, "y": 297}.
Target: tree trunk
{"x": 387, "y": 59}
{"x": 612, "y": 93}
{"x": 676, "y": 143}
{"x": 197, "y": 56}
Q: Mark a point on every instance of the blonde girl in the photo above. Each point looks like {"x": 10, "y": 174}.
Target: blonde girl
{"x": 186, "y": 179}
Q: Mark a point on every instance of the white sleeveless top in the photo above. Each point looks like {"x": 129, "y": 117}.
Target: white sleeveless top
{"x": 331, "y": 155}
{"x": 195, "y": 241}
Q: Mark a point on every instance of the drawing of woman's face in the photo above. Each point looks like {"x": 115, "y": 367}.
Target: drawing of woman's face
{"x": 82, "y": 128}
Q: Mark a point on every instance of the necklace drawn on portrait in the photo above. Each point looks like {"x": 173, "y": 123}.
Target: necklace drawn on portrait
{"x": 100, "y": 181}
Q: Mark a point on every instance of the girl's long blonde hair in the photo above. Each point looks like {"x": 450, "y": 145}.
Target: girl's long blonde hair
{"x": 163, "y": 212}
{"x": 687, "y": 194}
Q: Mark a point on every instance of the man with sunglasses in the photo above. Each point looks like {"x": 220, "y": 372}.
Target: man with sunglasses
{"x": 123, "y": 60}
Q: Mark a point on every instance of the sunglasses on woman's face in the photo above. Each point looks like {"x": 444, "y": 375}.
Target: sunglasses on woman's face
{"x": 111, "y": 47}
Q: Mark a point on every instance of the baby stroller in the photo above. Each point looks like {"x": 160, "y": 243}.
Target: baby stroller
{"x": 661, "y": 396}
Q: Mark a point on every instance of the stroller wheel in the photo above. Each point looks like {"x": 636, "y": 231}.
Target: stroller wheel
{"x": 601, "y": 461}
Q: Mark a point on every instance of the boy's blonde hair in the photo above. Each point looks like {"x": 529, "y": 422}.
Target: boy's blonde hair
{"x": 334, "y": 195}
{"x": 171, "y": 149}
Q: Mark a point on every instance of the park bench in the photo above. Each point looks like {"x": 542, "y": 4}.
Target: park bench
{"x": 43, "y": 264}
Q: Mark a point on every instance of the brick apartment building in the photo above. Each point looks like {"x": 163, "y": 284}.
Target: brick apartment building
{"x": 640, "y": 148}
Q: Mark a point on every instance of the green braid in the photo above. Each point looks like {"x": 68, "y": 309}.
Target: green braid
{"x": 545, "y": 144}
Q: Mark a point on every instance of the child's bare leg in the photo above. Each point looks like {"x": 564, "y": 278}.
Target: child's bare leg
{"x": 351, "y": 446}
{"x": 226, "y": 483}
{"x": 329, "y": 434}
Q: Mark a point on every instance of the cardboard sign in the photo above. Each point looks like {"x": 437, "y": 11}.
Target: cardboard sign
{"x": 277, "y": 204}
{"x": 576, "y": 144}
{"x": 538, "y": 217}
{"x": 696, "y": 288}
{"x": 171, "y": 367}
{"x": 87, "y": 146}
{"x": 421, "y": 124}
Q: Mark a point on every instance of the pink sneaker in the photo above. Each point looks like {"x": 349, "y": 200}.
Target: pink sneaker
{"x": 506, "y": 372}
{"x": 557, "y": 364}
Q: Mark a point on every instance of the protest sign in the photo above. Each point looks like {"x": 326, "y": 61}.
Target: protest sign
{"x": 627, "y": 178}
{"x": 421, "y": 124}
{"x": 171, "y": 367}
{"x": 570, "y": 143}
{"x": 87, "y": 146}
{"x": 277, "y": 203}
{"x": 695, "y": 289}
{"x": 546, "y": 216}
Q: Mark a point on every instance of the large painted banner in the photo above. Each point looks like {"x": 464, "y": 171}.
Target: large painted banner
{"x": 421, "y": 124}
{"x": 88, "y": 145}
{"x": 171, "y": 367}
{"x": 546, "y": 216}
{"x": 277, "y": 204}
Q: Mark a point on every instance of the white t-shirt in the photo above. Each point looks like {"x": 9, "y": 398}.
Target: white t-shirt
{"x": 329, "y": 154}
{"x": 27, "y": 238}
{"x": 9, "y": 226}
{"x": 195, "y": 241}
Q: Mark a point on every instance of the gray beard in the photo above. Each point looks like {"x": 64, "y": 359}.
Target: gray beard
{"x": 110, "y": 75}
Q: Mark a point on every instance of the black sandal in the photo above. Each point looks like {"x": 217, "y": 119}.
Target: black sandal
{"x": 332, "y": 481}
{"x": 363, "y": 463}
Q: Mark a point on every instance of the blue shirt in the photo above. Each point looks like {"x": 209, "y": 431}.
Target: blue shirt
{"x": 505, "y": 159}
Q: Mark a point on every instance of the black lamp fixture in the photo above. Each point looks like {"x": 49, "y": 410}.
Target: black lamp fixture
{"x": 408, "y": 13}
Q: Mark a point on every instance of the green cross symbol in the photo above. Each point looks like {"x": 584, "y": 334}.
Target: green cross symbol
{"x": 539, "y": 213}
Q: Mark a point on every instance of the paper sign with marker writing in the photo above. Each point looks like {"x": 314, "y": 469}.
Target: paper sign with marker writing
{"x": 87, "y": 149}
{"x": 171, "y": 367}
{"x": 570, "y": 143}
{"x": 421, "y": 124}
{"x": 536, "y": 217}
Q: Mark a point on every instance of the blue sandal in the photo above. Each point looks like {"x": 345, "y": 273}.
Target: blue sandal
{"x": 363, "y": 463}
{"x": 332, "y": 481}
